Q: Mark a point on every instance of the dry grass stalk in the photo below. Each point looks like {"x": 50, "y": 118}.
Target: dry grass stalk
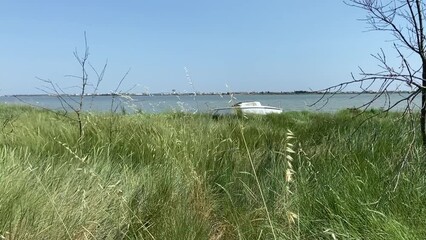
{"x": 289, "y": 174}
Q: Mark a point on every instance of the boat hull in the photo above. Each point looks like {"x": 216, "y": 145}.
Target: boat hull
{"x": 247, "y": 108}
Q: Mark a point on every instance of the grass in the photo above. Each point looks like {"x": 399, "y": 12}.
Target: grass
{"x": 188, "y": 176}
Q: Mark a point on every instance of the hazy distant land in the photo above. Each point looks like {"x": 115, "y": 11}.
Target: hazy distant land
{"x": 212, "y": 93}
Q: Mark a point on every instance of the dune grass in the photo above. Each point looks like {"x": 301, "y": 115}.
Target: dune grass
{"x": 188, "y": 176}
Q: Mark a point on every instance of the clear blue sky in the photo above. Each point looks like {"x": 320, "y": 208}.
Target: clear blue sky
{"x": 275, "y": 45}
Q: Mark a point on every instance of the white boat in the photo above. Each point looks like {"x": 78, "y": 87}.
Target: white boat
{"x": 247, "y": 108}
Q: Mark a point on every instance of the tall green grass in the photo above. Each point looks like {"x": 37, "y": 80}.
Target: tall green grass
{"x": 188, "y": 176}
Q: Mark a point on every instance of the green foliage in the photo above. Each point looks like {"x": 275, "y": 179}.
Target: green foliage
{"x": 186, "y": 176}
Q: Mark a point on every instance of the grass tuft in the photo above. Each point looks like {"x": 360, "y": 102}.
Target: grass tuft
{"x": 188, "y": 176}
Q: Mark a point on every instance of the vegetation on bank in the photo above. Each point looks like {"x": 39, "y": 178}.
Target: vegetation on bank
{"x": 297, "y": 175}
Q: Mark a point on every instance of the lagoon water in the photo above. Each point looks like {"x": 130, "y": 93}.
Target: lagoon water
{"x": 205, "y": 103}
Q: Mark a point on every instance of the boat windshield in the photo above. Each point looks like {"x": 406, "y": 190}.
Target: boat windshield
{"x": 247, "y": 104}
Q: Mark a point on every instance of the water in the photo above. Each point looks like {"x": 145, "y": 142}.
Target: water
{"x": 205, "y": 103}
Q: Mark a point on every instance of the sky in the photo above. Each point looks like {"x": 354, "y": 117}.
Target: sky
{"x": 186, "y": 45}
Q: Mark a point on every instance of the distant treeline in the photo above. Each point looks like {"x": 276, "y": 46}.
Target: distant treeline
{"x": 217, "y": 93}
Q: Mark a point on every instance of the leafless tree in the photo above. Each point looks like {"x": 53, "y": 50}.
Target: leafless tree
{"x": 68, "y": 101}
{"x": 404, "y": 20}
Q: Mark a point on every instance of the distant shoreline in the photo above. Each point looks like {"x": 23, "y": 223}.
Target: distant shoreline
{"x": 205, "y": 93}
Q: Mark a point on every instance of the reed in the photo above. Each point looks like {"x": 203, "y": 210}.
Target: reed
{"x": 188, "y": 176}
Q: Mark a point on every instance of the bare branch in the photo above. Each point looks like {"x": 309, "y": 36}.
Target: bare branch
{"x": 404, "y": 20}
